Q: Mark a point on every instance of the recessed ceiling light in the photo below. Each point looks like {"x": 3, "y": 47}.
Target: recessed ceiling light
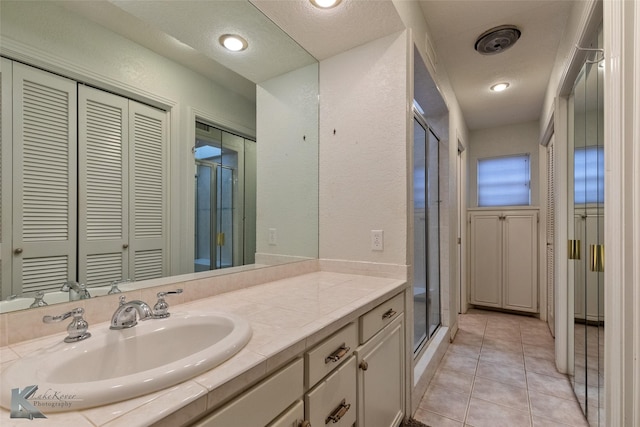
{"x": 233, "y": 42}
{"x": 499, "y": 87}
{"x": 325, "y": 4}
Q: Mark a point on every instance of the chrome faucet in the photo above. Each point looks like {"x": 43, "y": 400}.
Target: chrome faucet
{"x": 77, "y": 291}
{"x": 128, "y": 313}
{"x": 39, "y": 300}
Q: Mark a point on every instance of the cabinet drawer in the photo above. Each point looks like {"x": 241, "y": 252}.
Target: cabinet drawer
{"x": 292, "y": 417}
{"x": 381, "y": 316}
{"x": 335, "y": 396}
{"x": 261, "y": 404}
{"x": 330, "y": 354}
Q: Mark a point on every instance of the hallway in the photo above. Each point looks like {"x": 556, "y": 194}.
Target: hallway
{"x": 499, "y": 371}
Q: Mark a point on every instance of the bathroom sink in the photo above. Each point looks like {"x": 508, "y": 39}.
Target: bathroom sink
{"x": 114, "y": 365}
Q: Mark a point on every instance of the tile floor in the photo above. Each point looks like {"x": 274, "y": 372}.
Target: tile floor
{"x": 499, "y": 371}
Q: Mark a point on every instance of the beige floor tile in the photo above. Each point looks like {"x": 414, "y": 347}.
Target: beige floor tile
{"x": 501, "y": 344}
{"x": 434, "y": 420}
{"x": 514, "y": 360}
{"x": 542, "y": 366}
{"x": 502, "y": 373}
{"x": 453, "y": 380}
{"x": 460, "y": 363}
{"x": 487, "y": 414}
{"x": 543, "y": 422}
{"x": 555, "y": 386}
{"x": 500, "y": 393}
{"x": 557, "y": 409}
{"x": 543, "y": 352}
{"x": 445, "y": 402}
{"x": 465, "y": 349}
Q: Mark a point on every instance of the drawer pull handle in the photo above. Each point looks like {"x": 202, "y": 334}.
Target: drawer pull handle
{"x": 338, "y": 412}
{"x": 338, "y": 354}
{"x": 389, "y": 313}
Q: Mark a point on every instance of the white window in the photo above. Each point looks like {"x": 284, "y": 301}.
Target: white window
{"x": 504, "y": 181}
{"x": 588, "y": 168}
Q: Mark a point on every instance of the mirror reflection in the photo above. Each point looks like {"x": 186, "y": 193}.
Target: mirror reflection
{"x": 587, "y": 230}
{"x": 135, "y": 146}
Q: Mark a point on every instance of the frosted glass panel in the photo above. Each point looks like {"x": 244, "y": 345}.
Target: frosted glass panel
{"x": 504, "y": 181}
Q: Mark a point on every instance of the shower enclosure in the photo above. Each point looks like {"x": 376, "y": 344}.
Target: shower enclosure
{"x": 225, "y": 199}
{"x": 426, "y": 195}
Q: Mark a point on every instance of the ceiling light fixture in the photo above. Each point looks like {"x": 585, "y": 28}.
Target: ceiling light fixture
{"x": 233, "y": 42}
{"x": 499, "y": 87}
{"x": 325, "y": 4}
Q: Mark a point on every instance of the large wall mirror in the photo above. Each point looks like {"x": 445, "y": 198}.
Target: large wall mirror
{"x": 135, "y": 146}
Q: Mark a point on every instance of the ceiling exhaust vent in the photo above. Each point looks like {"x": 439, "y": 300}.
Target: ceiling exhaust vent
{"x": 497, "y": 39}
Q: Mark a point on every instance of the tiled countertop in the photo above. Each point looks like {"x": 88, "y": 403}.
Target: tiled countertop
{"x": 287, "y": 316}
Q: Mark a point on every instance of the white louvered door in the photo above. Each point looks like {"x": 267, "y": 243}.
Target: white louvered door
{"x": 551, "y": 291}
{"x": 44, "y": 179}
{"x": 103, "y": 192}
{"x": 148, "y": 194}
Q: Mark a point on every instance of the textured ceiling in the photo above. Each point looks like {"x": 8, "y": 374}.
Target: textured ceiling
{"x": 187, "y": 32}
{"x": 455, "y": 26}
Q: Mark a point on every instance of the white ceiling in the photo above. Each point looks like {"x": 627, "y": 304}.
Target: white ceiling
{"x": 187, "y": 32}
{"x": 455, "y": 26}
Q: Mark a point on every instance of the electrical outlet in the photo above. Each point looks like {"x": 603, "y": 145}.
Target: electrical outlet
{"x": 273, "y": 237}
{"x": 377, "y": 240}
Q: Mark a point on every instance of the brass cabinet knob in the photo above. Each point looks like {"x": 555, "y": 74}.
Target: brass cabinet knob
{"x": 125, "y": 246}
{"x": 305, "y": 423}
{"x": 17, "y": 251}
{"x": 364, "y": 365}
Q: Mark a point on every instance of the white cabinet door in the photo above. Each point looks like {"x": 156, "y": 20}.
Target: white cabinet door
{"x": 504, "y": 259}
{"x": 381, "y": 378}
{"x": 103, "y": 192}
{"x": 520, "y": 261}
{"x": 486, "y": 259}
{"x": 6, "y": 180}
{"x": 44, "y": 179}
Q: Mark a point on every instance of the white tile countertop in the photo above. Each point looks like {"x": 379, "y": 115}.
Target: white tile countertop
{"x": 287, "y": 316}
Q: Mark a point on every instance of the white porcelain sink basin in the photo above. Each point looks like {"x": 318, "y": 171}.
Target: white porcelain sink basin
{"x": 114, "y": 365}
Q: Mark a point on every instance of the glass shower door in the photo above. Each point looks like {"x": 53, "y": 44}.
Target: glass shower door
{"x": 426, "y": 206}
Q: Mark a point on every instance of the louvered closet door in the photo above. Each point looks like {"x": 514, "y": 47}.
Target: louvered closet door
{"x": 103, "y": 203}
{"x": 45, "y": 179}
{"x": 148, "y": 191}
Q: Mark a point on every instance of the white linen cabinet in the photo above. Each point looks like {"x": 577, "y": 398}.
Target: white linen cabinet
{"x": 504, "y": 259}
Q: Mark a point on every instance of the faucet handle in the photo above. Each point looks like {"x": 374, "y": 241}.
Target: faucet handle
{"x": 66, "y": 286}
{"x": 78, "y": 327}
{"x": 114, "y": 286}
{"x": 39, "y": 300}
{"x": 161, "y": 309}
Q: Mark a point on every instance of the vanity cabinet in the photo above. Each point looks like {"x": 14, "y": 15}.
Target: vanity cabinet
{"x": 354, "y": 377}
{"x": 380, "y": 361}
{"x": 263, "y": 404}
{"x": 504, "y": 259}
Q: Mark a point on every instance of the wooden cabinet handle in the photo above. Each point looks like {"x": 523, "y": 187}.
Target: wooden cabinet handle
{"x": 339, "y": 412}
{"x": 338, "y": 354}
